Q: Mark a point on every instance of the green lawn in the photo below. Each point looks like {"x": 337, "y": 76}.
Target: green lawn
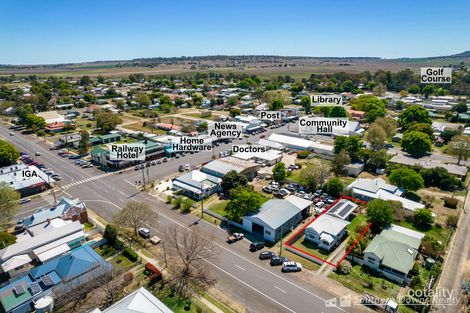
{"x": 105, "y": 251}
{"x": 311, "y": 248}
{"x": 436, "y": 233}
{"x": 219, "y": 208}
{"x": 358, "y": 220}
{"x": 361, "y": 281}
{"x": 312, "y": 266}
{"x": 122, "y": 262}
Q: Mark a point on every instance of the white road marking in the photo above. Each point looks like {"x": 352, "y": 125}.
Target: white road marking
{"x": 239, "y": 267}
{"x": 280, "y": 289}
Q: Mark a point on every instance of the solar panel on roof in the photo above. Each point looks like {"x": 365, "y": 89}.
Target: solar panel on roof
{"x": 19, "y": 289}
{"x": 35, "y": 288}
{"x": 47, "y": 280}
{"x": 345, "y": 210}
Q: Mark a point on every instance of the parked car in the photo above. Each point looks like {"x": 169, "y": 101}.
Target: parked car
{"x": 187, "y": 166}
{"x": 74, "y": 157}
{"x": 153, "y": 163}
{"x": 159, "y": 161}
{"x": 12, "y": 134}
{"x": 278, "y": 260}
{"x": 165, "y": 160}
{"x": 235, "y": 237}
{"x": 25, "y": 200}
{"x": 291, "y": 267}
{"x": 266, "y": 255}
{"x": 267, "y": 189}
{"x": 255, "y": 246}
{"x": 136, "y": 168}
{"x": 144, "y": 232}
{"x": 181, "y": 168}
{"x": 56, "y": 177}
{"x": 155, "y": 240}
{"x": 87, "y": 165}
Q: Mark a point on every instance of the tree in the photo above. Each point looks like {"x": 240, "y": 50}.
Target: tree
{"x": 344, "y": 267}
{"x": 279, "y": 172}
{"x": 244, "y": 201}
{"x": 6, "y": 239}
{"x": 379, "y": 90}
{"x": 459, "y": 147}
{"x": 380, "y": 213}
{"x": 34, "y": 122}
{"x": 9, "y": 204}
{"x": 338, "y": 166}
{"x": 352, "y": 145}
{"x": 422, "y": 218}
{"x": 84, "y": 143}
{"x": 374, "y": 114}
{"x": 232, "y": 180}
{"x": 334, "y": 187}
{"x": 428, "y": 90}
{"x": 107, "y": 121}
{"x": 202, "y": 127}
{"x": 143, "y": 99}
{"x": 188, "y": 251}
{"x": 414, "y": 113}
{"x": 232, "y": 101}
{"x": 417, "y": 144}
{"x": 337, "y": 111}
{"x": 314, "y": 173}
{"x": 460, "y": 107}
{"x": 8, "y": 153}
{"x": 422, "y": 127}
{"x": 306, "y": 103}
{"x": 376, "y": 136}
{"x": 378, "y": 159}
{"x": 367, "y": 103}
{"x": 406, "y": 178}
{"x": 413, "y": 89}
{"x": 234, "y": 112}
{"x": 277, "y": 104}
{"x": 135, "y": 215}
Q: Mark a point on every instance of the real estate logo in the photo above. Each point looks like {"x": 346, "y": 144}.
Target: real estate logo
{"x": 312, "y": 125}
{"x": 127, "y": 152}
{"x": 327, "y": 100}
{"x": 225, "y": 130}
{"x": 436, "y": 75}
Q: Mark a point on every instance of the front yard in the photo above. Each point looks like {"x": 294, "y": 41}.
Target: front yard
{"x": 311, "y": 248}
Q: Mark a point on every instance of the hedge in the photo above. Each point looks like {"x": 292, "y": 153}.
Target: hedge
{"x": 130, "y": 254}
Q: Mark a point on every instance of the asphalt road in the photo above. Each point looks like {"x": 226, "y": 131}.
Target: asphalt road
{"x": 239, "y": 273}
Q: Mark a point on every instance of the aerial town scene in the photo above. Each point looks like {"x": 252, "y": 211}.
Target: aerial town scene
{"x": 234, "y": 157}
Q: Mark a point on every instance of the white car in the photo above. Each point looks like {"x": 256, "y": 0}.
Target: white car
{"x": 144, "y": 232}
{"x": 291, "y": 266}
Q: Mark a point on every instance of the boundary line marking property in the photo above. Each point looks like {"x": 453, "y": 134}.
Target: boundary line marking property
{"x": 288, "y": 242}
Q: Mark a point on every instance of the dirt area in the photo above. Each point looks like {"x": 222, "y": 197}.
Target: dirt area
{"x": 436, "y": 198}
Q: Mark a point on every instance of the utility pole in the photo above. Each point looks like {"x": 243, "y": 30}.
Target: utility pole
{"x": 164, "y": 255}
{"x": 202, "y": 206}
{"x": 143, "y": 177}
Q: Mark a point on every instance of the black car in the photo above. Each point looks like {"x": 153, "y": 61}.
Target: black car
{"x": 181, "y": 168}
{"x": 277, "y": 260}
{"x": 266, "y": 255}
{"x": 255, "y": 246}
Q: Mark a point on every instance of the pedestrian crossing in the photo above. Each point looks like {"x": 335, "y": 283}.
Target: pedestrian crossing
{"x": 86, "y": 180}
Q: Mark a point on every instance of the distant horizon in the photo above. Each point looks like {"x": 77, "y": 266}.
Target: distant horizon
{"x": 49, "y": 32}
{"x": 232, "y": 55}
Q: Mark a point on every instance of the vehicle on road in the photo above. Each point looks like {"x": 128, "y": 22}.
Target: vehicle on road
{"x": 291, "y": 267}
{"x": 25, "y": 200}
{"x": 165, "y": 160}
{"x": 12, "y": 134}
{"x": 56, "y": 177}
{"x": 144, "y": 232}
{"x": 187, "y": 166}
{"x": 235, "y": 237}
{"x": 37, "y": 153}
{"x": 278, "y": 260}
{"x": 266, "y": 255}
{"x": 255, "y": 246}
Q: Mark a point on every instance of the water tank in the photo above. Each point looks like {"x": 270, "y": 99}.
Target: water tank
{"x": 429, "y": 263}
{"x": 44, "y": 305}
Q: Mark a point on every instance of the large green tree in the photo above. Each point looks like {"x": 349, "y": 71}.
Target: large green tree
{"x": 9, "y": 203}
{"x": 376, "y": 136}
{"x": 34, "y": 122}
{"x": 233, "y": 179}
{"x": 417, "y": 144}
{"x": 380, "y": 213}
{"x": 459, "y": 147}
{"x": 413, "y": 114}
{"x": 306, "y": 103}
{"x": 8, "y": 153}
{"x": 406, "y": 178}
{"x": 84, "y": 143}
{"x": 334, "y": 187}
{"x": 422, "y": 127}
{"x": 352, "y": 145}
{"x": 279, "y": 172}
{"x": 107, "y": 121}
{"x": 244, "y": 201}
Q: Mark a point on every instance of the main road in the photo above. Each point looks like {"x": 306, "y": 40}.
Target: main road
{"x": 239, "y": 273}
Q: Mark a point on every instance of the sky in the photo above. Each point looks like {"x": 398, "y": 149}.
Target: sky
{"x": 63, "y": 31}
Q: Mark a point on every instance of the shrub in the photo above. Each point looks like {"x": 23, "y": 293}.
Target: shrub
{"x": 344, "y": 268}
{"x": 303, "y": 154}
{"x": 130, "y": 254}
{"x": 415, "y": 282}
{"x": 423, "y": 217}
{"x": 6, "y": 239}
{"x": 186, "y": 205}
{"x": 451, "y": 202}
{"x": 451, "y": 221}
{"x": 177, "y": 202}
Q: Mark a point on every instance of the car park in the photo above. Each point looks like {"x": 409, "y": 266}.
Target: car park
{"x": 291, "y": 266}
{"x": 266, "y": 255}
{"x": 144, "y": 232}
{"x": 278, "y": 260}
{"x": 255, "y": 246}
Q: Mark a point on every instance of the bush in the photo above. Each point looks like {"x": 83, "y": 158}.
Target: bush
{"x": 334, "y": 187}
{"x": 130, "y": 254}
{"x": 177, "y": 202}
{"x": 303, "y": 154}
{"x": 416, "y": 282}
{"x": 423, "y": 217}
{"x": 186, "y": 205}
{"x": 6, "y": 239}
{"x": 451, "y": 202}
{"x": 452, "y": 221}
{"x": 344, "y": 268}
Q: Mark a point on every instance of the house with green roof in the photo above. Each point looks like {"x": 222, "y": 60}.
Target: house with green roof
{"x": 393, "y": 252}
